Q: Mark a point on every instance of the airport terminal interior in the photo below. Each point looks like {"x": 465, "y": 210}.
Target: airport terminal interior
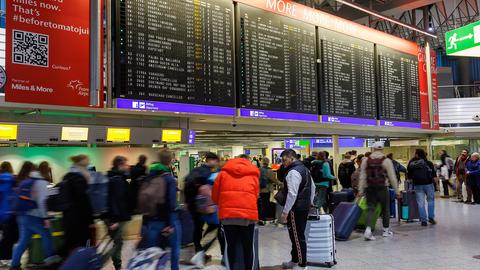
{"x": 239, "y": 134}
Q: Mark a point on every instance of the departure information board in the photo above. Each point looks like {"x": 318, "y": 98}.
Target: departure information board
{"x": 178, "y": 51}
{"x": 398, "y": 86}
{"x": 277, "y": 62}
{"x": 348, "y": 76}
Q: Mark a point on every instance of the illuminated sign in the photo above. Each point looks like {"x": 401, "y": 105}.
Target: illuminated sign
{"x": 8, "y": 132}
{"x": 74, "y": 134}
{"x": 118, "y": 135}
{"x": 464, "y": 41}
{"x": 172, "y": 136}
{"x": 191, "y": 136}
{"x": 323, "y": 19}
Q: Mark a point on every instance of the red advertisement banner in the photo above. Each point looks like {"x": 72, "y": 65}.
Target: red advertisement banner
{"x": 436, "y": 116}
{"x": 423, "y": 85}
{"x": 48, "y": 52}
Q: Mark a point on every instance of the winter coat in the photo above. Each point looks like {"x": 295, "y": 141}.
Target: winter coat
{"x": 236, "y": 190}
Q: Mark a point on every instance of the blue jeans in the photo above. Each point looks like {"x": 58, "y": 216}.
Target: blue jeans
{"x": 153, "y": 230}
{"x": 420, "y": 192}
{"x": 28, "y": 226}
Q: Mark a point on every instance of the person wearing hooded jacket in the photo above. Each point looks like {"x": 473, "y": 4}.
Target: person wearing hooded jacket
{"x": 78, "y": 217}
{"x": 236, "y": 191}
{"x": 166, "y": 222}
{"x": 119, "y": 208}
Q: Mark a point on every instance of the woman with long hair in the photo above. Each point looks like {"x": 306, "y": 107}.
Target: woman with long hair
{"x": 8, "y": 224}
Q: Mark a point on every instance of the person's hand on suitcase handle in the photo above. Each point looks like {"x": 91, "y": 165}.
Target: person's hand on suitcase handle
{"x": 283, "y": 218}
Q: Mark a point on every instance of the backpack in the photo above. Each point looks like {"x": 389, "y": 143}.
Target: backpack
{"x": 344, "y": 171}
{"x": 6, "y": 196}
{"x": 24, "y": 200}
{"x": 203, "y": 200}
{"x": 317, "y": 172}
{"x": 450, "y": 163}
{"x": 420, "y": 170}
{"x": 152, "y": 195}
{"x": 98, "y": 193}
{"x": 263, "y": 178}
{"x": 375, "y": 172}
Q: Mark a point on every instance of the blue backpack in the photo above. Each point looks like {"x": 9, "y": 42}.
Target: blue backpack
{"x": 6, "y": 196}
{"x": 25, "y": 201}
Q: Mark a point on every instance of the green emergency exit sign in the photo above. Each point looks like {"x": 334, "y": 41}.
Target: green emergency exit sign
{"x": 464, "y": 41}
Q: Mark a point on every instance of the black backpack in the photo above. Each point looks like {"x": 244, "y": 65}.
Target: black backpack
{"x": 420, "y": 171}
{"x": 344, "y": 171}
{"x": 317, "y": 172}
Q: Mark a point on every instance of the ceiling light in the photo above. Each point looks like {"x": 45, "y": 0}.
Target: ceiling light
{"x": 378, "y": 15}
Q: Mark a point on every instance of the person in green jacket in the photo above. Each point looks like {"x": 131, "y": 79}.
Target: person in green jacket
{"x": 322, "y": 176}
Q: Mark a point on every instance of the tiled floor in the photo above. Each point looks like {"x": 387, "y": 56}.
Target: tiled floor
{"x": 448, "y": 245}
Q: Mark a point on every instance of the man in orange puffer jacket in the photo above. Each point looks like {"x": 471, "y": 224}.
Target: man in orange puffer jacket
{"x": 236, "y": 191}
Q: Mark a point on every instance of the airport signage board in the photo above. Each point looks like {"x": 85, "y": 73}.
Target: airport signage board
{"x": 348, "y": 120}
{"x": 144, "y": 105}
{"x": 8, "y": 132}
{"x": 278, "y": 115}
{"x": 293, "y": 143}
{"x": 171, "y": 135}
{"x": 118, "y": 135}
{"x": 464, "y": 41}
{"x": 191, "y": 136}
{"x": 79, "y": 134}
{"x": 48, "y": 52}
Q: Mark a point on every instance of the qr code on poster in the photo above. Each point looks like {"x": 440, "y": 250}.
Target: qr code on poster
{"x": 30, "y": 48}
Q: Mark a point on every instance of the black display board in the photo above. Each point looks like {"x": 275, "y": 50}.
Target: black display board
{"x": 175, "y": 51}
{"x": 277, "y": 62}
{"x": 348, "y": 76}
{"x": 398, "y": 85}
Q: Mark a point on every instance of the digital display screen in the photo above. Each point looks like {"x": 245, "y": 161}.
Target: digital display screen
{"x": 399, "y": 92}
{"x": 276, "y": 62}
{"x": 8, "y": 132}
{"x": 74, "y": 134}
{"x": 118, "y": 135}
{"x": 348, "y": 76}
{"x": 172, "y": 136}
{"x": 178, "y": 51}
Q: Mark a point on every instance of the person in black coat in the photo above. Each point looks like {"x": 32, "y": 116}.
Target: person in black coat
{"x": 137, "y": 174}
{"x": 78, "y": 217}
{"x": 119, "y": 212}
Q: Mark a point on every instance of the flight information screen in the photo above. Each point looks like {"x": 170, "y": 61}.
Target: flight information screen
{"x": 175, "y": 51}
{"x": 277, "y": 62}
{"x": 348, "y": 76}
{"x": 399, "y": 92}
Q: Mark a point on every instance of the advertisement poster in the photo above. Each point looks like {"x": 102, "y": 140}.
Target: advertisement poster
{"x": 48, "y": 52}
{"x": 436, "y": 116}
{"x": 423, "y": 85}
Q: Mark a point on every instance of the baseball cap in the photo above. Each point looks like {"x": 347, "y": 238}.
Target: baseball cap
{"x": 378, "y": 145}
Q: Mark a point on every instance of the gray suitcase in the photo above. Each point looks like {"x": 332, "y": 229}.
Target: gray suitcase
{"x": 320, "y": 237}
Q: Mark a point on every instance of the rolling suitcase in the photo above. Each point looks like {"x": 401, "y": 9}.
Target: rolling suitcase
{"x": 408, "y": 207}
{"x": 346, "y": 216}
{"x": 336, "y": 198}
{"x": 320, "y": 238}
{"x": 186, "y": 222}
{"x": 351, "y": 194}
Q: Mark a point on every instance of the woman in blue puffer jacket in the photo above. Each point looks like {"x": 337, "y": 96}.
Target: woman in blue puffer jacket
{"x": 473, "y": 176}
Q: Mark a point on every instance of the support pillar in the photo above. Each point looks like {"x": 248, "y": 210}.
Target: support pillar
{"x": 336, "y": 155}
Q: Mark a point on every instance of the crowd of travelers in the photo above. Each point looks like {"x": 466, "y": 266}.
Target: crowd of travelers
{"x": 227, "y": 198}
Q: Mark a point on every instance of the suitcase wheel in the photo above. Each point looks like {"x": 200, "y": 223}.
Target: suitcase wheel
{"x": 329, "y": 265}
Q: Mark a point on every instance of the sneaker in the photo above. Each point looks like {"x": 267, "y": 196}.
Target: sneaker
{"x": 387, "y": 233}
{"x": 432, "y": 221}
{"x": 52, "y": 260}
{"x": 369, "y": 236}
{"x": 198, "y": 259}
{"x": 289, "y": 265}
{"x": 424, "y": 223}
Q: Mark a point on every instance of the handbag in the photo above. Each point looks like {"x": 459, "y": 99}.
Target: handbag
{"x": 281, "y": 197}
